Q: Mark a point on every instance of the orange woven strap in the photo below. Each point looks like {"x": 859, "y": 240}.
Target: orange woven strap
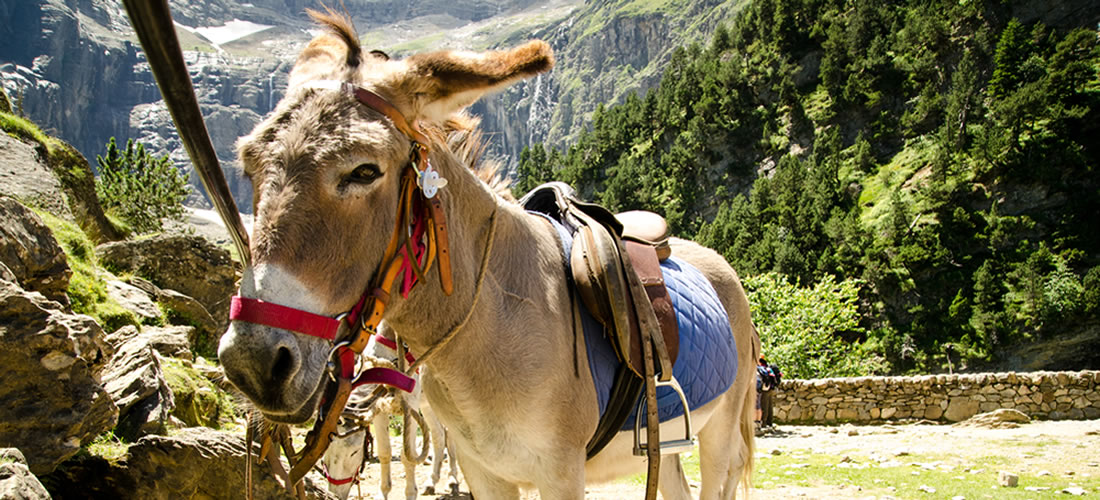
{"x": 420, "y": 153}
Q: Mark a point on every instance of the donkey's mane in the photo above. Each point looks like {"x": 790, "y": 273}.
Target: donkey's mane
{"x": 466, "y": 141}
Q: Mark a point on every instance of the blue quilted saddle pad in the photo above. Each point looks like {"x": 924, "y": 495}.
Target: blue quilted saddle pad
{"x": 707, "y": 362}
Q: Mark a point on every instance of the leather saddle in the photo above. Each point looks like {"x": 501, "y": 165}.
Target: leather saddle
{"x": 615, "y": 264}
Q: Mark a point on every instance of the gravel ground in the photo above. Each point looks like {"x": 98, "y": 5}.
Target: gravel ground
{"x": 1063, "y": 450}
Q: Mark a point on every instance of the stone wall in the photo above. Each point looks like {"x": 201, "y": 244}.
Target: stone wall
{"x": 951, "y": 398}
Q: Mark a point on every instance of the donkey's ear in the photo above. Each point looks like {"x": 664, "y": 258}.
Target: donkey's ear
{"x": 444, "y": 82}
{"x": 334, "y": 54}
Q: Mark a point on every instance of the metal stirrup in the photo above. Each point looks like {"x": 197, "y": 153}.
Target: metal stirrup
{"x": 667, "y": 447}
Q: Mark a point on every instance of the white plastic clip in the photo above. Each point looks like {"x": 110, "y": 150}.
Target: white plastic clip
{"x": 430, "y": 181}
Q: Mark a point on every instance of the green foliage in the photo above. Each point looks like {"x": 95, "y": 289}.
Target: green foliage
{"x": 87, "y": 288}
{"x": 810, "y": 332}
{"x": 139, "y": 188}
{"x": 940, "y": 153}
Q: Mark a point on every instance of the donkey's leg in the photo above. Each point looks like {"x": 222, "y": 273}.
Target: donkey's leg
{"x": 439, "y": 442}
{"x": 452, "y": 452}
{"x": 408, "y": 457}
{"x": 673, "y": 484}
{"x": 562, "y": 479}
{"x": 719, "y": 458}
{"x": 380, "y": 426}
{"x": 484, "y": 484}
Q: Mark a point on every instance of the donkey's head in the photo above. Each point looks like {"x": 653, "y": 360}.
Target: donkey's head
{"x": 327, "y": 171}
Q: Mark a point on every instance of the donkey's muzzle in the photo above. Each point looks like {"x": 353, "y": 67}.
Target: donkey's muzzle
{"x": 266, "y": 365}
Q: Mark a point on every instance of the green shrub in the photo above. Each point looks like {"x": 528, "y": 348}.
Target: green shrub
{"x": 802, "y": 329}
{"x": 139, "y": 188}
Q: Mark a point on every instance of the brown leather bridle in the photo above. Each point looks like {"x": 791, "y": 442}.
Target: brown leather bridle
{"x": 419, "y": 206}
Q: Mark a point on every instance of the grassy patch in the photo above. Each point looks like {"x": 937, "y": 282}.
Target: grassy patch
{"x": 418, "y": 45}
{"x": 911, "y": 476}
{"x": 915, "y": 476}
{"x": 875, "y": 198}
{"x": 87, "y": 288}
{"x": 109, "y": 447}
{"x": 22, "y": 128}
{"x": 191, "y": 41}
{"x": 643, "y": 7}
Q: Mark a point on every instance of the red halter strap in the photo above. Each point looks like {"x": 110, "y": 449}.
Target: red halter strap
{"x": 338, "y": 482}
{"x": 381, "y": 339}
{"x": 282, "y": 317}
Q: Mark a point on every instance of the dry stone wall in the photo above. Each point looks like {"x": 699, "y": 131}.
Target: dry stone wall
{"x": 950, "y": 398}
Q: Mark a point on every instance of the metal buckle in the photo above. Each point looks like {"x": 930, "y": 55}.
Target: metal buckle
{"x": 330, "y": 365}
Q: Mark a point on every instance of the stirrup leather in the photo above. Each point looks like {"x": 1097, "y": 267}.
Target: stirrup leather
{"x": 667, "y": 447}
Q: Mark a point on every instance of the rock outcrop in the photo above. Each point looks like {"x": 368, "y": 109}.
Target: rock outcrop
{"x": 133, "y": 299}
{"x": 180, "y": 307}
{"x": 603, "y": 53}
{"x": 26, "y": 177}
{"x": 196, "y": 463}
{"x": 16, "y": 480}
{"x": 51, "y": 401}
{"x": 188, "y": 264}
{"x": 997, "y": 419}
{"x": 135, "y": 381}
{"x": 199, "y": 401}
{"x": 31, "y": 253}
{"x": 169, "y": 341}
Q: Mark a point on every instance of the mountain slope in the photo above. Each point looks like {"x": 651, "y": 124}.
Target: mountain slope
{"x": 943, "y": 154}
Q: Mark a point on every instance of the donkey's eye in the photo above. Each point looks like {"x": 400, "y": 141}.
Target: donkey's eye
{"x": 363, "y": 174}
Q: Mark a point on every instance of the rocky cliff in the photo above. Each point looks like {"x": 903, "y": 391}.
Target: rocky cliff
{"x": 603, "y": 51}
{"x": 72, "y": 65}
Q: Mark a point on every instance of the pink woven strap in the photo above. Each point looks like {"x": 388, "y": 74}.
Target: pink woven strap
{"x": 287, "y": 318}
{"x": 385, "y": 376}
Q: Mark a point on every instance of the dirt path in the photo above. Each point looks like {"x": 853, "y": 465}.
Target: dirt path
{"x": 924, "y": 460}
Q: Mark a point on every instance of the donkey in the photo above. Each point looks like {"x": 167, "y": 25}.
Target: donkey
{"x": 326, "y": 172}
{"x": 345, "y": 457}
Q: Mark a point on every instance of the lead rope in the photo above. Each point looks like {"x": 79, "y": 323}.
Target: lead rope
{"x": 477, "y": 294}
{"x": 250, "y": 437}
{"x": 408, "y": 439}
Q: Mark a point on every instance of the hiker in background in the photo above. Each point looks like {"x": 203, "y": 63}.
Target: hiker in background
{"x": 767, "y": 380}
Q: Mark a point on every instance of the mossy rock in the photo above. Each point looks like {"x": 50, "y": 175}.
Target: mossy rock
{"x": 5, "y": 103}
{"x": 199, "y": 403}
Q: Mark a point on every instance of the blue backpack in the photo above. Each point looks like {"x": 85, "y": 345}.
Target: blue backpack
{"x": 765, "y": 379}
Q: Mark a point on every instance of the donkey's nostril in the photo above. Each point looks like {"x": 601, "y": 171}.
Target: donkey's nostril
{"x": 283, "y": 366}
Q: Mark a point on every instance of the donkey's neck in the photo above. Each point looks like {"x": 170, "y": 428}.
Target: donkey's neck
{"x": 522, "y": 279}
